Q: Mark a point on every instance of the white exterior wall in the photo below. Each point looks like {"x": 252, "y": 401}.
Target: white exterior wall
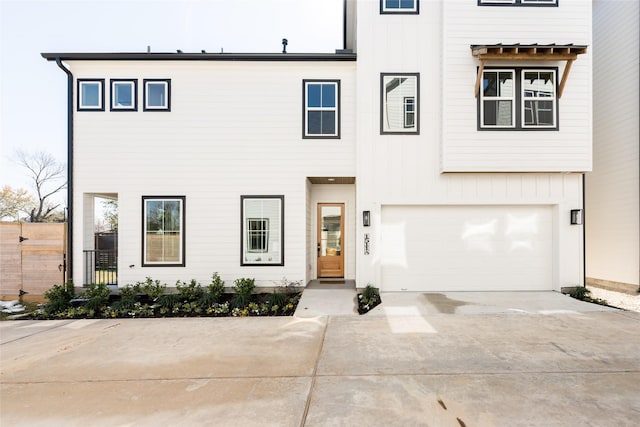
{"x": 407, "y": 169}
{"x": 465, "y": 149}
{"x": 612, "y": 190}
{"x": 234, "y": 129}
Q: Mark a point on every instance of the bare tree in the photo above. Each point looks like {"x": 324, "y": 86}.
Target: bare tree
{"x": 46, "y": 174}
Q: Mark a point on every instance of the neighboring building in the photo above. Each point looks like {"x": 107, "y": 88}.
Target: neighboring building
{"x": 443, "y": 148}
{"x": 613, "y": 188}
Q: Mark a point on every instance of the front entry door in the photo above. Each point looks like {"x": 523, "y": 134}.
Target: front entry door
{"x": 331, "y": 243}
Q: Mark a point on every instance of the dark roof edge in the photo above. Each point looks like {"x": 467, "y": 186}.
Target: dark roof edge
{"x": 347, "y": 56}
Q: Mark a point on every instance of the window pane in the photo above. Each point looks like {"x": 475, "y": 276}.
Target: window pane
{"x": 538, "y": 84}
{"x": 490, "y": 84}
{"x": 314, "y": 122}
{"x": 90, "y": 94}
{"x": 506, "y": 84}
{"x": 406, "y": 4}
{"x": 123, "y": 94}
{"x": 329, "y": 95}
{"x": 538, "y": 113}
{"x": 314, "y": 95}
{"x": 497, "y": 113}
{"x": 392, "y": 4}
{"x": 156, "y": 94}
{"x": 328, "y": 122}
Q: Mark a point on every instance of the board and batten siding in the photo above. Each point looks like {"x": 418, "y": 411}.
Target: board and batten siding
{"x": 235, "y": 128}
{"x": 612, "y": 189}
{"x": 464, "y": 147}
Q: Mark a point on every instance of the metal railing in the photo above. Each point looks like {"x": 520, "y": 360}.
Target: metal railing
{"x": 100, "y": 266}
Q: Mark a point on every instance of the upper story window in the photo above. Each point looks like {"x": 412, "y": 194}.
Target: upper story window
{"x": 157, "y": 95}
{"x": 399, "y": 103}
{"x": 518, "y": 2}
{"x": 518, "y": 99}
{"x": 399, "y": 6}
{"x": 90, "y": 95}
{"x": 124, "y": 95}
{"x": 163, "y": 231}
{"x": 321, "y": 108}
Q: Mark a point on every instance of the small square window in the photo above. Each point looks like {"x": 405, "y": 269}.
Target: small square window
{"x": 157, "y": 95}
{"x": 399, "y": 6}
{"x": 321, "y": 109}
{"x": 124, "y": 95}
{"x": 90, "y": 94}
{"x": 399, "y": 103}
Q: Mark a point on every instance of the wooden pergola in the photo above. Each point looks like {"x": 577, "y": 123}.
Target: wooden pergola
{"x": 527, "y": 52}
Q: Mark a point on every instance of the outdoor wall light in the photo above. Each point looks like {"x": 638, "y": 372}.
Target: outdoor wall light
{"x": 366, "y": 218}
{"x": 576, "y": 216}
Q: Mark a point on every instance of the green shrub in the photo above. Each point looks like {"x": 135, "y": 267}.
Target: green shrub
{"x": 243, "y": 289}
{"x": 97, "y": 296}
{"x": 59, "y": 297}
{"x": 213, "y": 292}
{"x": 129, "y": 295}
{"x": 189, "y": 292}
{"x": 153, "y": 288}
{"x": 581, "y": 293}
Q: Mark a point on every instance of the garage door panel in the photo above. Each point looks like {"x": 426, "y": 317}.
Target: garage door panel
{"x": 466, "y": 247}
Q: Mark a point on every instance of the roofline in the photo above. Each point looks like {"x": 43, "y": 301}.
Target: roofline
{"x": 166, "y": 56}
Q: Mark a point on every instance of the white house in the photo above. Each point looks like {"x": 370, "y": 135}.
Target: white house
{"x": 613, "y": 188}
{"x": 441, "y": 148}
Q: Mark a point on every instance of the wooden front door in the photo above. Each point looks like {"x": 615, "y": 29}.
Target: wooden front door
{"x": 331, "y": 243}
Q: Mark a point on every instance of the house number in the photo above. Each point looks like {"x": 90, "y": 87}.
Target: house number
{"x": 366, "y": 244}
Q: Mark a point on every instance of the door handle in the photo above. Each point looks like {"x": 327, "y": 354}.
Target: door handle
{"x": 318, "y": 250}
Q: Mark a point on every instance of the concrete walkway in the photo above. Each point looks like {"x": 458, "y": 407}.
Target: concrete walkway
{"x": 546, "y": 361}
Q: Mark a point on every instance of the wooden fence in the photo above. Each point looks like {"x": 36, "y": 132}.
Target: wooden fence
{"x": 31, "y": 257}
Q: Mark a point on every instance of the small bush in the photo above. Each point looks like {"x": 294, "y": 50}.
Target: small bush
{"x": 243, "y": 289}
{"x": 153, "y": 288}
{"x": 189, "y": 292}
{"x": 97, "y": 296}
{"x": 59, "y": 297}
{"x": 129, "y": 296}
{"x": 214, "y": 291}
{"x": 368, "y": 299}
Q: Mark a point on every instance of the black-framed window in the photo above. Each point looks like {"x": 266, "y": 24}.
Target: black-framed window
{"x": 518, "y": 2}
{"x": 518, "y": 99}
{"x": 400, "y": 103}
{"x": 163, "y": 231}
{"x": 157, "y": 95}
{"x": 90, "y": 95}
{"x": 124, "y": 94}
{"x": 400, "y": 6}
{"x": 261, "y": 230}
{"x": 321, "y": 112}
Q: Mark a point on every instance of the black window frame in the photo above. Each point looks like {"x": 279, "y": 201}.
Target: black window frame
{"x": 416, "y": 104}
{"x": 243, "y": 228}
{"x": 400, "y": 11}
{"x": 183, "y": 237}
{"x": 338, "y": 120}
{"x": 517, "y": 3}
{"x": 519, "y": 102}
{"x": 112, "y": 94}
{"x": 145, "y": 95}
{"x": 80, "y": 82}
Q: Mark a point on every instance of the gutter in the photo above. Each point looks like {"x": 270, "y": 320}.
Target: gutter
{"x": 69, "y": 255}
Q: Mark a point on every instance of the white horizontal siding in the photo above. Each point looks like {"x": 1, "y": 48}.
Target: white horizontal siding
{"x": 234, "y": 129}
{"x": 465, "y": 148}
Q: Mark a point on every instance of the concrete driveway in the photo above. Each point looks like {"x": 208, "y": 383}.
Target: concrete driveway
{"x": 417, "y": 360}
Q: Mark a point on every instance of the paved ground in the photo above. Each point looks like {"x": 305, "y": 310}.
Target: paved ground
{"x": 518, "y": 359}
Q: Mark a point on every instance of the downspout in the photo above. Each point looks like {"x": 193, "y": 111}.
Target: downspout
{"x": 69, "y": 255}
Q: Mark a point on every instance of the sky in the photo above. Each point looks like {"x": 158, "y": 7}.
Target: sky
{"x": 33, "y": 98}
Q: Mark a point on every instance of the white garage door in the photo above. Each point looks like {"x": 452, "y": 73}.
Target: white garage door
{"x": 466, "y": 248}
